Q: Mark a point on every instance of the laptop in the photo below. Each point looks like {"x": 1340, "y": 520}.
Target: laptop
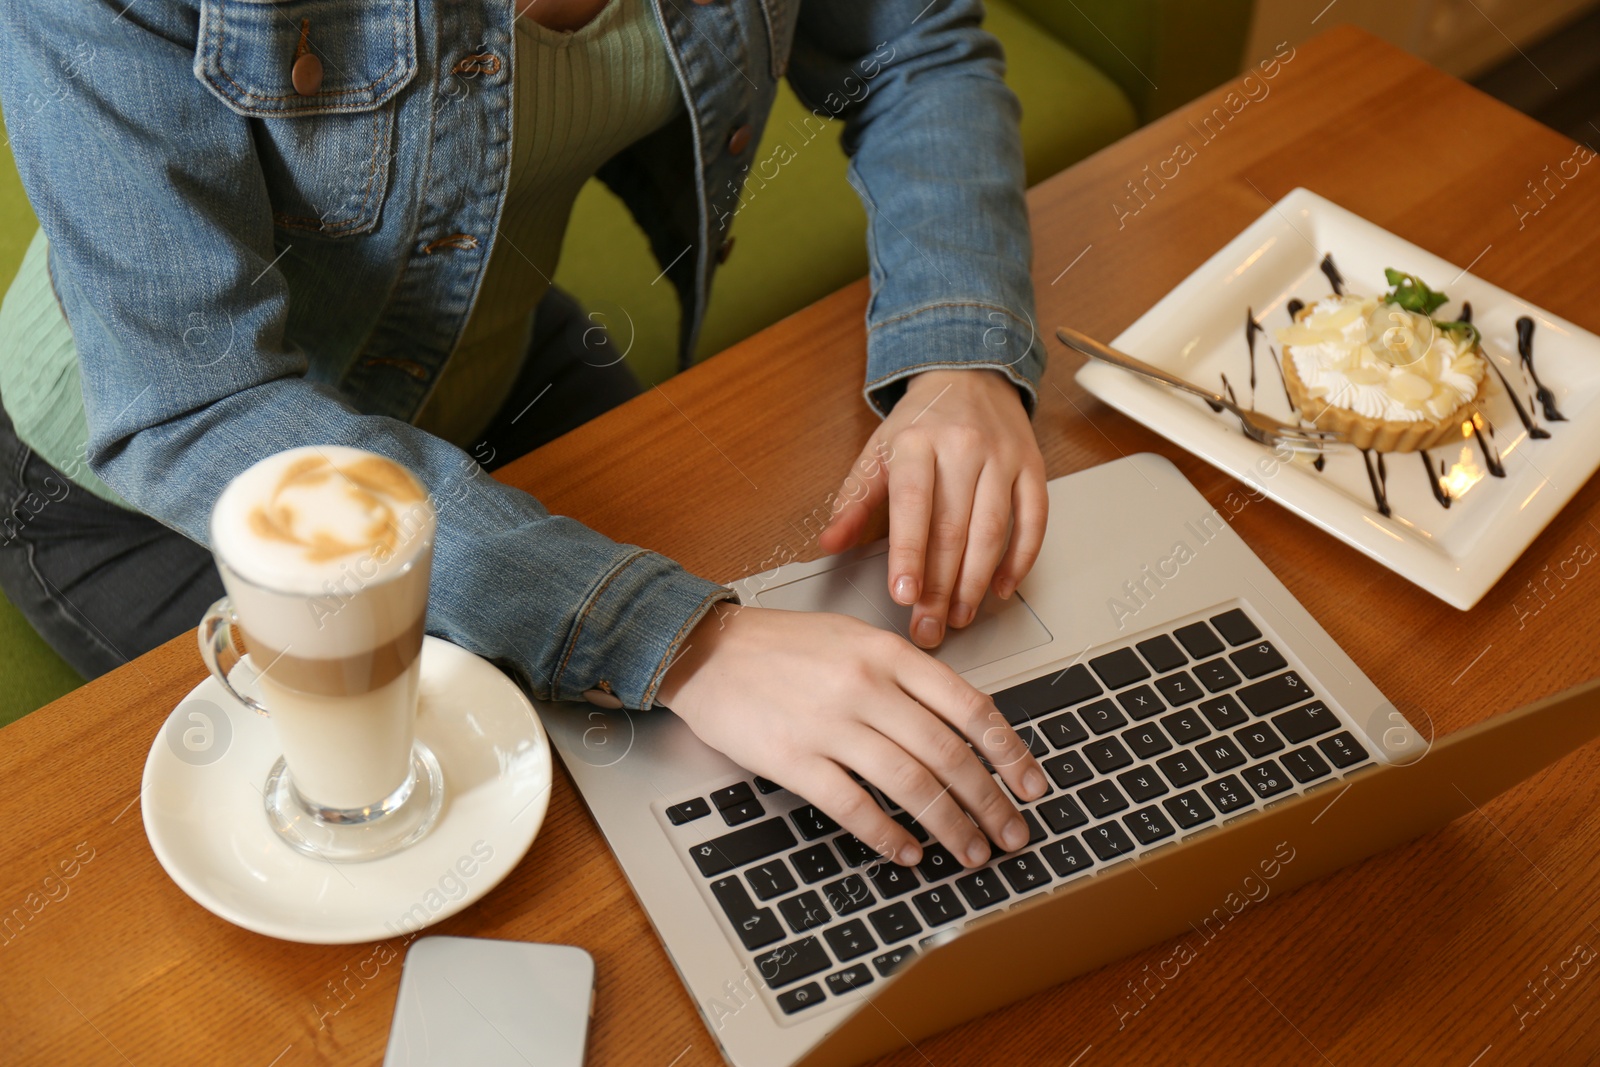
{"x": 1197, "y": 725}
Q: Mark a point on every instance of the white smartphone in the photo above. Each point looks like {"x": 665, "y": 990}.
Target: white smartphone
{"x": 487, "y": 1003}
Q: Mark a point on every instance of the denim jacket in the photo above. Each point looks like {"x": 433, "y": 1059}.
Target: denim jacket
{"x": 247, "y": 267}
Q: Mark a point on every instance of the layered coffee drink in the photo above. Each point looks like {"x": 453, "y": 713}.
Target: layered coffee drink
{"x": 326, "y": 554}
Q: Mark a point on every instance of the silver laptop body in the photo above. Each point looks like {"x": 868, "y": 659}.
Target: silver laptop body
{"x": 1133, "y": 552}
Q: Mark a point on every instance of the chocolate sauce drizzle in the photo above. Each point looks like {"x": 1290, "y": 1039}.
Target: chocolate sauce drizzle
{"x": 1466, "y": 311}
{"x": 1547, "y": 399}
{"x": 1251, "y": 328}
{"x": 1491, "y": 456}
{"x": 1335, "y": 279}
{"x": 1293, "y": 308}
{"x": 1380, "y": 481}
{"x": 1435, "y": 481}
{"x": 1535, "y": 431}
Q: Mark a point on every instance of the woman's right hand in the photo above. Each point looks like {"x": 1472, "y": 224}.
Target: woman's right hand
{"x": 803, "y": 697}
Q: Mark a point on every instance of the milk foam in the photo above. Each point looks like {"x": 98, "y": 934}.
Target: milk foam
{"x": 329, "y": 550}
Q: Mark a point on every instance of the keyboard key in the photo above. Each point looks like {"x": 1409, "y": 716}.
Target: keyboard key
{"x": 886, "y": 802}
{"x": 1109, "y": 841}
{"x": 1342, "y": 750}
{"x": 1035, "y": 831}
{"x": 800, "y": 999}
{"x": 745, "y": 845}
{"x": 1107, "y": 754}
{"x": 1120, "y": 668}
{"x": 982, "y": 889}
{"x": 1066, "y": 857}
{"x": 1199, "y": 640}
{"x": 1063, "y": 730}
{"x": 1188, "y": 809}
{"x": 1047, "y": 693}
{"x": 755, "y": 926}
{"x": 1141, "y": 702}
{"x": 848, "y": 894}
{"x": 1147, "y": 741}
{"x": 1035, "y": 743}
{"x": 1179, "y": 689}
{"x": 1102, "y": 799}
{"x": 1236, "y": 626}
{"x": 1186, "y": 726}
{"x": 815, "y": 863}
{"x": 789, "y": 963}
{"x": 1062, "y": 814}
{"x": 766, "y": 785}
{"x": 1255, "y": 660}
{"x": 895, "y": 923}
{"x": 891, "y": 879}
{"x": 849, "y": 940}
{"x": 1216, "y": 675}
{"x": 772, "y": 879}
{"x": 1142, "y": 783}
{"x": 1259, "y": 740}
{"x": 804, "y": 911}
{"x": 811, "y": 823}
{"x": 1227, "y": 794}
{"x": 1220, "y": 753}
{"x": 1274, "y": 693}
{"x": 1267, "y": 779}
{"x": 688, "y": 811}
{"x": 1102, "y": 716}
{"x": 735, "y": 814}
{"x": 848, "y": 979}
{"x": 1068, "y": 769}
{"x": 1148, "y": 825}
{"x": 1305, "y": 764}
{"x": 1304, "y": 723}
{"x": 913, "y": 827}
{"x": 854, "y": 852}
{"x": 1024, "y": 872}
{"x": 734, "y": 795}
{"x": 1224, "y": 712}
{"x": 937, "y": 863}
{"x": 939, "y": 906}
{"x": 1182, "y": 768}
{"x": 893, "y": 960}
{"x": 1162, "y": 653}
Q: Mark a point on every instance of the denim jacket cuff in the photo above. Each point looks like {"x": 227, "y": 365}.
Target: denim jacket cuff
{"x": 631, "y": 629}
{"x": 951, "y": 335}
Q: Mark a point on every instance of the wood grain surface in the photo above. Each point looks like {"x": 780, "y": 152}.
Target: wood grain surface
{"x": 1475, "y": 945}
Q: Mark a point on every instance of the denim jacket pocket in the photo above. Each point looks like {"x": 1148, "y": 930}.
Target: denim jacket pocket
{"x": 781, "y": 16}
{"x": 326, "y": 152}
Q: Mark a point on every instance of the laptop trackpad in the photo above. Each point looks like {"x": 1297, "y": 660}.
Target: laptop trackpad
{"x": 1003, "y": 627}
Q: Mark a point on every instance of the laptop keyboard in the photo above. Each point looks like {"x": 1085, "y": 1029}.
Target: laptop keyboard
{"x": 1144, "y": 745}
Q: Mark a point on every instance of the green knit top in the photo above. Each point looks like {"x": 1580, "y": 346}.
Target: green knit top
{"x": 579, "y": 99}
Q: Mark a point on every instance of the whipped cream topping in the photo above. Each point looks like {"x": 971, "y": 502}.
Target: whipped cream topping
{"x": 1382, "y": 361}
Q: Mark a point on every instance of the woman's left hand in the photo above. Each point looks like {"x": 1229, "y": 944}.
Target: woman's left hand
{"x": 958, "y": 462}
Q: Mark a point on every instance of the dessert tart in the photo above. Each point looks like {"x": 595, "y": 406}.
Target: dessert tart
{"x": 1381, "y": 371}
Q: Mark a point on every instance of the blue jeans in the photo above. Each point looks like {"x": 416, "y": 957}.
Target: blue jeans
{"x": 102, "y": 584}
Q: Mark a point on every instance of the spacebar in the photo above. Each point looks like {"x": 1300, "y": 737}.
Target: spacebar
{"x": 745, "y": 845}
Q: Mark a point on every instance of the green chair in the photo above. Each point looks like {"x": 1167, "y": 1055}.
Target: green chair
{"x": 1087, "y": 74}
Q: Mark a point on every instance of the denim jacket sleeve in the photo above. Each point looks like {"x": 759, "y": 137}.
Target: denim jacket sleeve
{"x": 152, "y": 197}
{"x": 936, "y": 157}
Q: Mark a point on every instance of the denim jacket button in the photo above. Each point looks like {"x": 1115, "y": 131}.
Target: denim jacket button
{"x": 306, "y": 74}
{"x": 603, "y": 699}
{"x": 739, "y": 140}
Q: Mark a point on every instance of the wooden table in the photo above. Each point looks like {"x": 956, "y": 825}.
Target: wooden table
{"x": 1425, "y": 954}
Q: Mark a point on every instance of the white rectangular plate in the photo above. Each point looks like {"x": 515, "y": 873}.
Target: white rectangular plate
{"x": 1458, "y": 552}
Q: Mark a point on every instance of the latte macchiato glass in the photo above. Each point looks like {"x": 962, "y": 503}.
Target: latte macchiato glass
{"x": 326, "y": 553}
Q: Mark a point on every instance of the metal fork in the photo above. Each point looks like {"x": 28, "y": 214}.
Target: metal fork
{"x": 1258, "y": 427}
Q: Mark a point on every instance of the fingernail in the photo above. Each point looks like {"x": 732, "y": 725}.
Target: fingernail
{"x": 960, "y": 615}
{"x": 1033, "y": 783}
{"x": 905, "y": 589}
{"x": 1004, "y": 589}
{"x": 928, "y": 631}
{"x": 1016, "y": 835}
{"x": 909, "y": 856}
{"x": 978, "y": 854}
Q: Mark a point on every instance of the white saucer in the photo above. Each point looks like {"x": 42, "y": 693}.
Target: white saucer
{"x": 204, "y": 814}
